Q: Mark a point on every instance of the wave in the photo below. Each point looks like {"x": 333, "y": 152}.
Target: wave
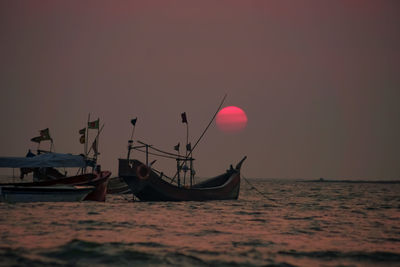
{"x": 85, "y": 253}
{"x": 22, "y": 257}
{"x": 376, "y": 256}
{"x": 80, "y": 252}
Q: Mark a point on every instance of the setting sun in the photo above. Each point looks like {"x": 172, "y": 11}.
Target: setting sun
{"x": 231, "y": 119}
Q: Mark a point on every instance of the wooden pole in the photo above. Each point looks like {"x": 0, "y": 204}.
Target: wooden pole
{"x": 130, "y": 141}
{"x": 86, "y": 141}
{"x": 191, "y": 172}
{"x": 87, "y": 135}
{"x": 133, "y": 131}
{"x": 52, "y": 147}
{"x": 178, "y": 165}
{"x": 147, "y": 155}
{"x": 97, "y": 142}
{"x": 186, "y": 154}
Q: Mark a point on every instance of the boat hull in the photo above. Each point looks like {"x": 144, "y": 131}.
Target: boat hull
{"x": 17, "y": 194}
{"x": 151, "y": 187}
{"x": 99, "y": 181}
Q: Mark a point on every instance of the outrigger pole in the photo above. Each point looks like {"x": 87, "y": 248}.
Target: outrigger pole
{"x": 208, "y": 126}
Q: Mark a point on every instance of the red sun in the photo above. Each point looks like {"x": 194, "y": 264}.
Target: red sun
{"x": 231, "y": 119}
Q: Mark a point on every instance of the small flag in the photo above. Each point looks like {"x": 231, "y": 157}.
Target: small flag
{"x": 133, "y": 121}
{"x": 94, "y": 146}
{"x": 82, "y": 139}
{"x": 184, "y": 119}
{"x": 177, "y": 147}
{"x": 82, "y": 131}
{"x": 30, "y": 154}
{"x": 45, "y": 134}
{"x": 36, "y": 139}
{"x": 94, "y": 124}
{"x": 189, "y": 147}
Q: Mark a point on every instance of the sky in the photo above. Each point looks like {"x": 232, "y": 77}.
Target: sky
{"x": 319, "y": 82}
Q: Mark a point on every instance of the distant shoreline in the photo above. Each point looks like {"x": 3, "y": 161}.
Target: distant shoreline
{"x": 354, "y": 181}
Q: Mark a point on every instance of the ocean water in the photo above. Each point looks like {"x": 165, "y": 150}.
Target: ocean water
{"x": 291, "y": 224}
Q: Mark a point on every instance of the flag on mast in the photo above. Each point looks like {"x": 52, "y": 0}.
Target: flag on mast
{"x": 184, "y": 119}
{"x": 45, "y": 134}
{"x": 177, "y": 147}
{"x": 82, "y": 138}
{"x": 189, "y": 147}
{"x": 94, "y": 124}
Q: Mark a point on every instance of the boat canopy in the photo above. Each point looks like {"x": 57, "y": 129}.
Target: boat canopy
{"x": 44, "y": 160}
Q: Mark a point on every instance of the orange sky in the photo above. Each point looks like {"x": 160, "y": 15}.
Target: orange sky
{"x": 319, "y": 81}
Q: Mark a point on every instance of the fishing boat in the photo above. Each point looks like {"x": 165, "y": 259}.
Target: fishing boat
{"x": 17, "y": 194}
{"x": 98, "y": 179}
{"x": 149, "y": 184}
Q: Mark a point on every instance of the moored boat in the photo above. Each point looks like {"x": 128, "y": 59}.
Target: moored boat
{"x": 148, "y": 185}
{"x": 98, "y": 179}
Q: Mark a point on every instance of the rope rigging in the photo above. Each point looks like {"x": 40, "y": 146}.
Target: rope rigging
{"x": 154, "y": 154}
{"x": 173, "y": 155}
{"x": 258, "y": 191}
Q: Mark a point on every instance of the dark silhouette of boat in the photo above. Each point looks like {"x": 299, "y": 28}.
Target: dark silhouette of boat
{"x": 148, "y": 185}
{"x": 17, "y": 194}
{"x": 98, "y": 180}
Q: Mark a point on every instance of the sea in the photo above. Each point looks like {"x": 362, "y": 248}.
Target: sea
{"x": 273, "y": 223}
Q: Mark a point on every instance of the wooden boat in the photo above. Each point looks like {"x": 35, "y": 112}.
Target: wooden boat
{"x": 16, "y": 194}
{"x": 148, "y": 185}
{"x": 98, "y": 179}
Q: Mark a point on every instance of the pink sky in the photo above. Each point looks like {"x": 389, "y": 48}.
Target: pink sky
{"x": 319, "y": 81}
